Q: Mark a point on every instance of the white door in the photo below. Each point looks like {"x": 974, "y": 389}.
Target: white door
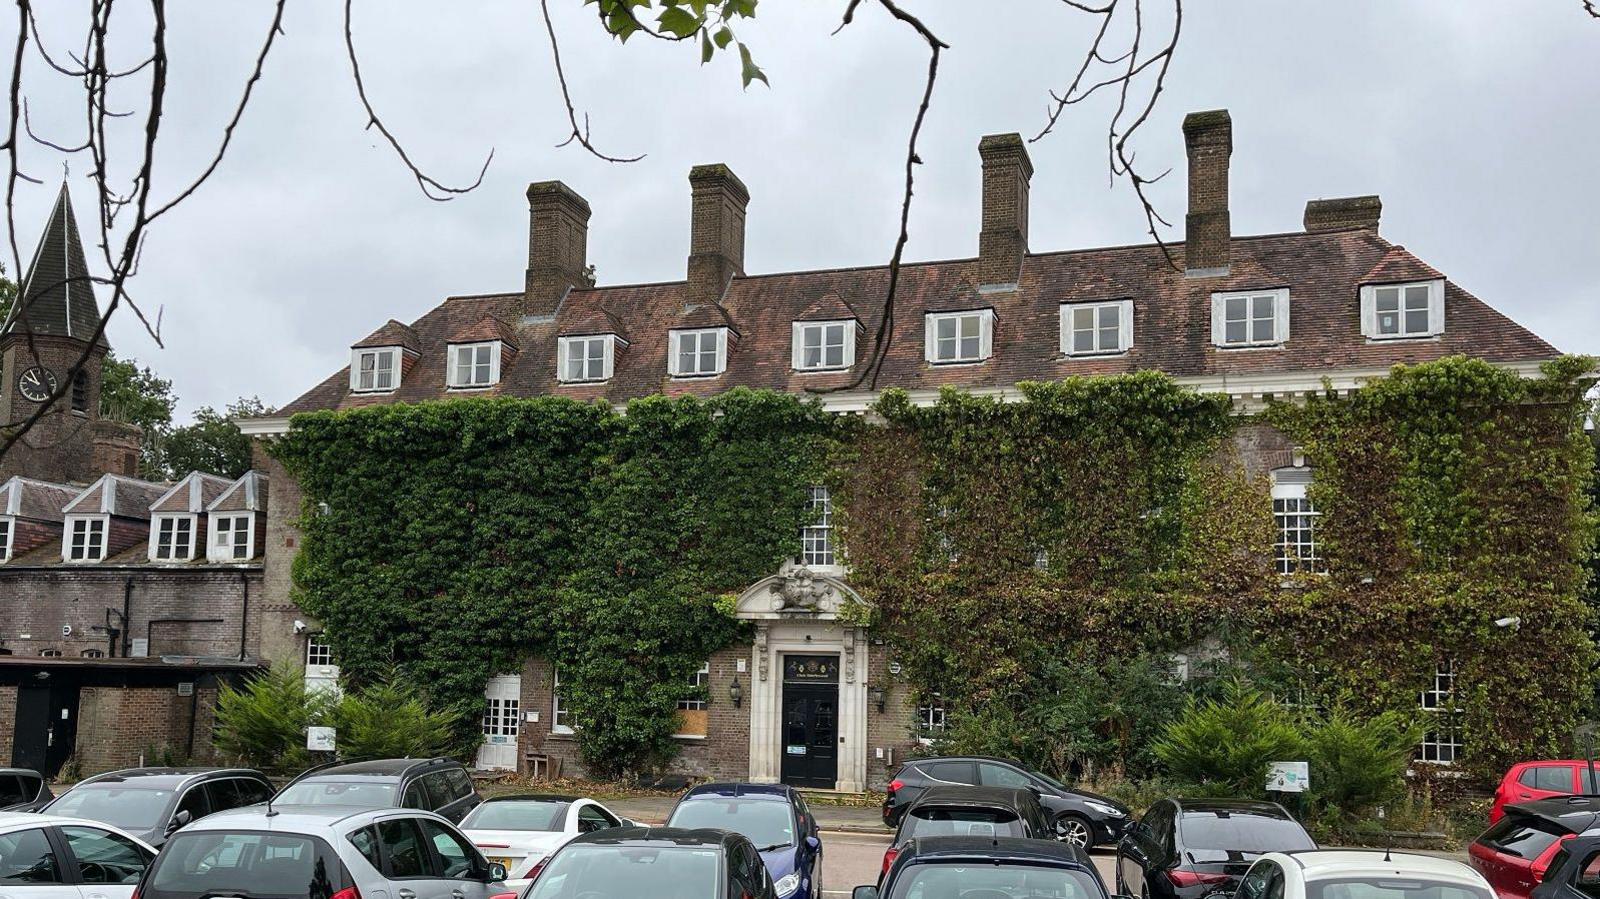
{"x": 321, "y": 672}
{"x": 502, "y": 716}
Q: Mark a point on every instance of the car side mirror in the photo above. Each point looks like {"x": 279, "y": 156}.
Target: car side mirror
{"x": 864, "y": 892}
{"x": 813, "y": 843}
{"x": 497, "y": 872}
{"x": 181, "y": 819}
{"x": 627, "y": 822}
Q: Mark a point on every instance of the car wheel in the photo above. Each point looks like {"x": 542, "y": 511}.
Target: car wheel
{"x": 1075, "y": 831}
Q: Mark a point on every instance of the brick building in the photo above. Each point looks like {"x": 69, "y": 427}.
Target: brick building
{"x": 123, "y": 603}
{"x": 1330, "y": 306}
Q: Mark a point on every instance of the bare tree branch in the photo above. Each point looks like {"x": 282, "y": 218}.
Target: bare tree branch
{"x": 581, "y": 136}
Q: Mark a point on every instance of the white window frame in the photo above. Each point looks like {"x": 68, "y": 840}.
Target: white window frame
{"x": 222, "y": 542}
{"x": 158, "y": 522}
{"x": 819, "y": 530}
{"x": 453, "y": 365}
{"x": 70, "y": 530}
{"x": 389, "y": 353}
{"x": 1124, "y": 328}
{"x": 50, "y": 654}
{"x": 675, "y": 336}
{"x": 92, "y": 654}
{"x": 1280, "y": 318}
{"x": 1289, "y": 486}
{"x": 930, "y": 336}
{"x": 8, "y": 537}
{"x": 319, "y": 653}
{"x": 700, "y": 679}
{"x": 932, "y": 718}
{"x": 802, "y": 330}
{"x": 608, "y": 355}
{"x": 1441, "y": 702}
{"x": 557, "y": 711}
{"x": 502, "y": 717}
{"x": 1369, "y": 310}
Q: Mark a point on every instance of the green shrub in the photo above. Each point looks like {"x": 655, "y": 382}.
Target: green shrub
{"x": 264, "y": 723}
{"x": 1228, "y": 744}
{"x": 388, "y": 720}
{"x": 1358, "y": 764}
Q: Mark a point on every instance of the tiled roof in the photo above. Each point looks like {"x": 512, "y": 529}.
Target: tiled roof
{"x": 487, "y": 328}
{"x": 1172, "y": 328}
{"x": 248, "y": 494}
{"x": 192, "y": 494}
{"x": 597, "y": 320}
{"x": 1399, "y": 265}
{"x": 393, "y": 333}
{"x": 117, "y": 495}
{"x": 38, "y": 500}
{"x": 57, "y": 296}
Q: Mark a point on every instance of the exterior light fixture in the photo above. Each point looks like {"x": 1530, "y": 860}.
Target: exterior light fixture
{"x": 736, "y": 693}
{"x": 878, "y": 698}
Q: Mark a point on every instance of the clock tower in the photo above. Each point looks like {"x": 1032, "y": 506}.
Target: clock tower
{"x": 50, "y": 348}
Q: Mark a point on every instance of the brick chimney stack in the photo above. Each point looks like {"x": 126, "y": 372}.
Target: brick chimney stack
{"x": 716, "y": 232}
{"x": 1344, "y": 212}
{"x": 1209, "y": 139}
{"x": 1003, "y": 241}
{"x": 558, "y": 246}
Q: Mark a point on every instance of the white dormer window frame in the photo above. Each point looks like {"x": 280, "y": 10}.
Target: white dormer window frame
{"x": 1242, "y": 319}
{"x": 823, "y": 345}
{"x": 172, "y": 536}
{"x": 964, "y": 337}
{"x": 8, "y": 538}
{"x": 1406, "y": 310}
{"x": 689, "y": 350}
{"x": 84, "y": 537}
{"x": 375, "y": 369}
{"x": 1097, "y": 329}
{"x": 586, "y": 358}
{"x": 224, "y": 543}
{"x": 473, "y": 366}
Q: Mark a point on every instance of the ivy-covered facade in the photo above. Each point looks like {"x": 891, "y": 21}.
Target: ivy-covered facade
{"x": 674, "y": 527}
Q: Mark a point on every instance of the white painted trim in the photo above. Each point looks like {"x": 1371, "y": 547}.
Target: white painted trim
{"x": 807, "y": 637}
{"x": 797, "y": 344}
{"x": 930, "y": 349}
{"x": 1369, "y": 310}
{"x": 1124, "y": 327}
{"x": 8, "y": 525}
{"x": 393, "y": 352}
{"x": 674, "y": 335}
{"x": 66, "y": 538}
{"x": 608, "y": 351}
{"x": 155, "y": 531}
{"x": 215, "y": 553}
{"x": 451, "y": 370}
{"x": 1280, "y": 325}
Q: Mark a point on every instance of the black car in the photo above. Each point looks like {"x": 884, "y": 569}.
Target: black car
{"x": 22, "y": 790}
{"x": 152, "y": 803}
{"x": 659, "y": 862}
{"x": 1081, "y": 818}
{"x": 433, "y": 785}
{"x": 1188, "y": 848}
{"x": 988, "y": 867}
{"x": 970, "y": 812}
{"x": 1574, "y": 873}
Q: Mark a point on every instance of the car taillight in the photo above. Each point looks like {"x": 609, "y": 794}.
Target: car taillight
{"x": 1541, "y": 866}
{"x": 888, "y": 857}
{"x": 504, "y": 896}
{"x": 1181, "y": 878}
{"x": 895, "y": 785}
{"x": 537, "y": 867}
{"x": 346, "y": 893}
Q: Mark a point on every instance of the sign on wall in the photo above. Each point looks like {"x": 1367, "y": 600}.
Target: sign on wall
{"x": 321, "y": 739}
{"x": 1289, "y": 777}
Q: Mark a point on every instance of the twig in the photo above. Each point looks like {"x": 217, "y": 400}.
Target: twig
{"x": 581, "y": 136}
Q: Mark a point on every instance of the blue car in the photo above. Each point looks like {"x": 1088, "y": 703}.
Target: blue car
{"x": 774, "y": 817}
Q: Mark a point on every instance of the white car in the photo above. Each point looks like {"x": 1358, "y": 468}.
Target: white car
{"x": 1360, "y": 874}
{"x": 51, "y": 857}
{"x": 522, "y": 832}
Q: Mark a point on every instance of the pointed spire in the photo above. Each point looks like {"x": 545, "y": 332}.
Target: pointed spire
{"x": 57, "y": 296}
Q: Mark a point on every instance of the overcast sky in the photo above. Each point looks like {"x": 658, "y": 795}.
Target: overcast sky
{"x": 1477, "y": 122}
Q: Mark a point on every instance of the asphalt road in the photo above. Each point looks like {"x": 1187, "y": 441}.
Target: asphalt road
{"x": 850, "y": 859}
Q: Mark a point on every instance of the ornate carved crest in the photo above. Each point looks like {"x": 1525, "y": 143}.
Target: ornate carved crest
{"x": 799, "y": 591}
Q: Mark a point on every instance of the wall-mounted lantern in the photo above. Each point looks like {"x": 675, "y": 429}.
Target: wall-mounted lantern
{"x": 876, "y": 694}
{"x": 736, "y": 693}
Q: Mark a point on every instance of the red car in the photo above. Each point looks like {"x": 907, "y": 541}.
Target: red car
{"x": 1531, "y": 781}
{"x": 1515, "y": 853}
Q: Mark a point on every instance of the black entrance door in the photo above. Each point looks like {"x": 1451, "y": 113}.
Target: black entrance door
{"x": 47, "y": 727}
{"x": 811, "y": 721}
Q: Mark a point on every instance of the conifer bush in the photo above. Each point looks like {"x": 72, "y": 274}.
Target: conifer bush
{"x": 1227, "y": 745}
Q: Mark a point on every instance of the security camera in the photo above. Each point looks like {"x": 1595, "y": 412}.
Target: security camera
{"x": 299, "y": 626}
{"x": 66, "y": 630}
{"x": 1511, "y": 621}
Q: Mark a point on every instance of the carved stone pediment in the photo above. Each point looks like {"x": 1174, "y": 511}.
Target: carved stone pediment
{"x": 798, "y": 593}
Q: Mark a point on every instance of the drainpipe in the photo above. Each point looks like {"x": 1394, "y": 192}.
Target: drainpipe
{"x": 244, "y": 614}
{"x": 127, "y": 609}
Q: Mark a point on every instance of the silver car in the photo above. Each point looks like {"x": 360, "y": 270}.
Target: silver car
{"x": 323, "y": 852}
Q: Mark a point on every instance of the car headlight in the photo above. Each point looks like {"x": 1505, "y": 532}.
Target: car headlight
{"x": 1104, "y": 809}
{"x": 787, "y": 884}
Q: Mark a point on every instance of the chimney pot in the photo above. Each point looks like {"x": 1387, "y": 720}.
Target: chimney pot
{"x": 1344, "y": 212}
{"x": 1208, "y": 137}
{"x": 558, "y": 246}
{"x": 1003, "y": 239}
{"x": 716, "y": 231}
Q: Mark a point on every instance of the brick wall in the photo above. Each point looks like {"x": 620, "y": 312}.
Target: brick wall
{"x": 891, "y": 730}
{"x": 126, "y": 533}
{"x": 28, "y": 535}
{"x": 118, "y": 727}
{"x": 273, "y": 617}
{"x": 8, "y": 722}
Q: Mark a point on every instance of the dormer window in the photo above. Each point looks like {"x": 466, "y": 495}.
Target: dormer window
{"x": 474, "y": 365}
{"x": 6, "y": 527}
{"x": 172, "y": 538}
{"x": 1093, "y": 329}
{"x": 85, "y": 539}
{"x": 956, "y": 337}
{"x": 375, "y": 370}
{"x": 1253, "y": 318}
{"x": 824, "y": 346}
{"x": 586, "y": 359}
{"x": 700, "y": 353}
{"x": 233, "y": 537}
{"x": 1397, "y": 311}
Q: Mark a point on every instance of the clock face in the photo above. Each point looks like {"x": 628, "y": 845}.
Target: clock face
{"x": 37, "y": 384}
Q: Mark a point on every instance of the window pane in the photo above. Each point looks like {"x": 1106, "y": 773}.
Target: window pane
{"x": 1262, "y": 307}
{"x": 834, "y": 358}
{"x": 686, "y": 355}
{"x": 1236, "y": 309}
{"x": 1235, "y": 332}
{"x": 1083, "y": 319}
{"x": 947, "y": 329}
{"x": 1417, "y": 296}
{"x": 969, "y": 347}
{"x": 28, "y": 858}
{"x": 1387, "y": 299}
{"x": 970, "y": 326}
{"x": 1083, "y": 341}
{"x": 1416, "y": 321}
{"x": 1261, "y": 330}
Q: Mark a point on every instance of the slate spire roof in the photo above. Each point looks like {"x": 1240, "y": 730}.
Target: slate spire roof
{"x": 57, "y": 297}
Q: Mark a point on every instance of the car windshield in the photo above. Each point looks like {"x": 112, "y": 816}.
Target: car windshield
{"x": 1212, "y": 835}
{"x": 368, "y": 793}
{"x": 940, "y": 821}
{"x": 129, "y": 808}
{"x": 196, "y": 864}
{"x": 517, "y": 814}
{"x": 628, "y": 872}
{"x": 1392, "y": 888}
{"x": 769, "y": 824}
{"x": 992, "y": 881}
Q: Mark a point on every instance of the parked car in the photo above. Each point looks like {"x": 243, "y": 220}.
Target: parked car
{"x": 988, "y": 868}
{"x": 433, "y": 785}
{"x": 655, "y": 862}
{"x": 522, "y": 832}
{"x": 774, "y": 817}
{"x": 1574, "y": 872}
{"x": 1078, "y": 817}
{"x": 1532, "y": 781}
{"x": 152, "y": 803}
{"x": 23, "y": 789}
{"x": 1515, "y": 852}
{"x": 1188, "y": 848}
{"x": 323, "y": 852}
{"x": 970, "y": 812}
{"x": 1344, "y": 874}
{"x": 50, "y": 857}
